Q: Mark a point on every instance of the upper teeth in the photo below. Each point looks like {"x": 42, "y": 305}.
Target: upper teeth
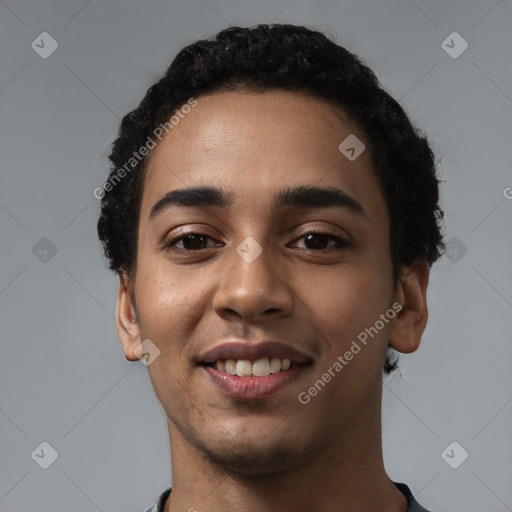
{"x": 259, "y": 368}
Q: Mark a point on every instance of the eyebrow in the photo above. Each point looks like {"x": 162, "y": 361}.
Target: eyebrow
{"x": 299, "y": 197}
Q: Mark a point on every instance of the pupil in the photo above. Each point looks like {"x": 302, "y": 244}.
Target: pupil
{"x": 192, "y": 239}
{"x": 322, "y": 238}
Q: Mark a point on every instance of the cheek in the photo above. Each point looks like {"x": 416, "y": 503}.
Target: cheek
{"x": 170, "y": 301}
{"x": 346, "y": 305}
{"x": 347, "y": 299}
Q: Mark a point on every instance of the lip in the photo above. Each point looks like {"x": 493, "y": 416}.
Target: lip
{"x": 246, "y": 388}
{"x": 250, "y": 388}
{"x": 239, "y": 349}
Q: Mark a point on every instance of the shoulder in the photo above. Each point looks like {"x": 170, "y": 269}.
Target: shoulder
{"x": 159, "y": 504}
{"x": 413, "y": 505}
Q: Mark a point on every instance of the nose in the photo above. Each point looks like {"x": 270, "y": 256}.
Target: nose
{"x": 248, "y": 291}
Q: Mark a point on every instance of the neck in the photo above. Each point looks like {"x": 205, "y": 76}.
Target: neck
{"x": 349, "y": 476}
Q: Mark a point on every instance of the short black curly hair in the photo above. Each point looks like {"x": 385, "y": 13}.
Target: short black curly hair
{"x": 298, "y": 59}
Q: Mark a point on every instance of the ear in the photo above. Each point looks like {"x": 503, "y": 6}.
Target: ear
{"x": 407, "y": 328}
{"x": 126, "y": 317}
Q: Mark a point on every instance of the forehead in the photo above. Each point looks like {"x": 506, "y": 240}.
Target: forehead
{"x": 255, "y": 144}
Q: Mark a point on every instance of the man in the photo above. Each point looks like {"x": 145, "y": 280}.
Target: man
{"x": 272, "y": 216}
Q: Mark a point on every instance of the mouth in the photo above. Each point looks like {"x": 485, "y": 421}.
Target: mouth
{"x": 250, "y": 371}
{"x": 259, "y": 368}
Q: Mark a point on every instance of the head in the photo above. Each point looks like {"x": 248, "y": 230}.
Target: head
{"x": 279, "y": 236}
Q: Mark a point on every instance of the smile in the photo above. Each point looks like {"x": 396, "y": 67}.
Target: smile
{"x": 251, "y": 370}
{"x": 259, "y": 368}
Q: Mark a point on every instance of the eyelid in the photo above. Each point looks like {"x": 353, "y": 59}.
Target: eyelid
{"x": 184, "y": 230}
{"x": 326, "y": 228}
{"x": 341, "y": 242}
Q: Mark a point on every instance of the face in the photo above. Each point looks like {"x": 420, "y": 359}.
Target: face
{"x": 255, "y": 267}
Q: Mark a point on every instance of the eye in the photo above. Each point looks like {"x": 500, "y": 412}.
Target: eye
{"x": 191, "y": 242}
{"x": 317, "y": 241}
{"x": 313, "y": 240}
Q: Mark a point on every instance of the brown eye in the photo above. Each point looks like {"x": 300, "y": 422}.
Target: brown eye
{"x": 190, "y": 242}
{"x": 194, "y": 242}
{"x": 316, "y": 241}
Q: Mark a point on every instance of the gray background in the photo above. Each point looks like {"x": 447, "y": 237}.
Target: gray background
{"x": 63, "y": 377}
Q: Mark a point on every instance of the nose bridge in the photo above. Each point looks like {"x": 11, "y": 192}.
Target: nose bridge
{"x": 252, "y": 263}
{"x": 254, "y": 283}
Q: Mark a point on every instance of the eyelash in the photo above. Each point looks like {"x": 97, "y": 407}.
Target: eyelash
{"x": 340, "y": 242}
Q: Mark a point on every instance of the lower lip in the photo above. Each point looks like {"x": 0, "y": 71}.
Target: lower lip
{"x": 253, "y": 387}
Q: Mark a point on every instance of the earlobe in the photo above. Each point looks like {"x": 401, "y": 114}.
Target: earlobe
{"x": 126, "y": 318}
{"x": 408, "y": 327}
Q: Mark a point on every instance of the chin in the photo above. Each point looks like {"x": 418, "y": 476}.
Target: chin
{"x": 252, "y": 459}
{"x": 247, "y": 452}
